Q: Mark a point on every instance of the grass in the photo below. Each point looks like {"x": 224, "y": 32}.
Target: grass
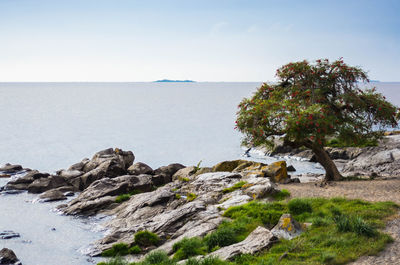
{"x": 146, "y": 238}
{"x": 342, "y": 230}
{"x": 237, "y": 186}
{"x": 121, "y": 249}
{"x": 335, "y": 142}
{"x": 190, "y": 196}
{"x": 281, "y": 195}
{"x": 126, "y": 196}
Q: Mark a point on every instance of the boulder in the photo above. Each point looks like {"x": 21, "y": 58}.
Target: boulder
{"x": 45, "y": 184}
{"x": 259, "y": 188}
{"x": 123, "y": 158}
{"x": 277, "y": 172}
{"x": 79, "y": 166}
{"x": 7, "y": 234}
{"x": 11, "y": 169}
{"x": 69, "y": 174}
{"x": 140, "y": 168}
{"x": 287, "y": 228}
{"x": 203, "y": 170}
{"x": 23, "y": 182}
{"x": 290, "y": 168}
{"x": 52, "y": 195}
{"x": 184, "y": 173}
{"x": 7, "y": 256}
{"x": 90, "y": 199}
{"x": 5, "y": 176}
{"x": 258, "y": 240}
{"x": 228, "y": 166}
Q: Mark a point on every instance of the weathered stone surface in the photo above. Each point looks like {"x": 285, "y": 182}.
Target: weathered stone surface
{"x": 8, "y": 234}
{"x": 69, "y": 174}
{"x": 277, "y": 172}
{"x": 259, "y": 188}
{"x": 260, "y": 239}
{"x": 52, "y": 195}
{"x": 8, "y": 168}
{"x": 290, "y": 168}
{"x": 106, "y": 187}
{"x": 5, "y": 176}
{"x": 7, "y": 256}
{"x": 45, "y": 184}
{"x": 140, "y": 168}
{"x": 169, "y": 170}
{"x": 90, "y": 207}
{"x": 228, "y": 166}
{"x": 79, "y": 166}
{"x": 183, "y": 173}
{"x": 287, "y": 228}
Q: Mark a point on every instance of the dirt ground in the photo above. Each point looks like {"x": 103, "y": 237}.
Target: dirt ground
{"x": 371, "y": 190}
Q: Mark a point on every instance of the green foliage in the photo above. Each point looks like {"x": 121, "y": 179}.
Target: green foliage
{"x": 120, "y": 249}
{"x": 177, "y": 196}
{"x": 157, "y": 257}
{"x": 189, "y": 247}
{"x": 299, "y": 206}
{"x": 146, "y": 238}
{"x": 206, "y": 261}
{"x": 122, "y": 198}
{"x": 236, "y": 186}
{"x": 191, "y": 196}
{"x": 114, "y": 261}
{"x": 197, "y": 167}
{"x": 225, "y": 235}
{"x": 313, "y": 101}
{"x": 281, "y": 195}
{"x": 354, "y": 224}
{"x": 335, "y": 142}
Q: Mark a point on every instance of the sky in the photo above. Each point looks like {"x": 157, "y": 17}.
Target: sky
{"x": 202, "y": 40}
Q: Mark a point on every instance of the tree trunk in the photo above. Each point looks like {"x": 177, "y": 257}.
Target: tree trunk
{"x": 331, "y": 171}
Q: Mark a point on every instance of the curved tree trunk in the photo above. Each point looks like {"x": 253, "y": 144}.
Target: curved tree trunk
{"x": 332, "y": 173}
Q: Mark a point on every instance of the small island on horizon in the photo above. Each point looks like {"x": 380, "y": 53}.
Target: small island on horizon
{"x": 174, "y": 81}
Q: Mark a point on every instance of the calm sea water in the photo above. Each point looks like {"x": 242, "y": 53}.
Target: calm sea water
{"x": 49, "y": 126}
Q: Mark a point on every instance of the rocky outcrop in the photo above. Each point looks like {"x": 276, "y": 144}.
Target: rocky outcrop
{"x": 140, "y": 168}
{"x": 8, "y": 234}
{"x": 7, "y": 256}
{"x": 258, "y": 240}
{"x": 10, "y": 169}
{"x": 52, "y": 195}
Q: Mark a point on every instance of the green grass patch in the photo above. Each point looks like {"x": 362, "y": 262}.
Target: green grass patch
{"x": 281, "y": 195}
{"x": 126, "y": 196}
{"x": 236, "y": 186}
{"x": 189, "y": 247}
{"x": 336, "y": 142}
{"x": 121, "y": 249}
{"x": 146, "y": 238}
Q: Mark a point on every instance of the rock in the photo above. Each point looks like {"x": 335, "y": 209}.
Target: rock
{"x": 290, "y": 168}
{"x": 277, "y": 172}
{"x": 89, "y": 201}
{"x": 169, "y": 170}
{"x": 23, "y": 182}
{"x": 255, "y": 169}
{"x": 258, "y": 240}
{"x": 79, "y": 166}
{"x": 52, "y": 195}
{"x": 123, "y": 158}
{"x": 5, "y": 175}
{"x": 202, "y": 171}
{"x": 287, "y": 228}
{"x": 45, "y": 184}
{"x": 140, "y": 168}
{"x": 10, "y": 169}
{"x": 8, "y": 234}
{"x": 7, "y": 256}
{"x": 259, "y": 188}
{"x": 69, "y": 174}
{"x": 184, "y": 173}
{"x": 228, "y": 166}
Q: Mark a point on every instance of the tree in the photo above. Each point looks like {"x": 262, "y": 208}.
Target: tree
{"x": 312, "y": 103}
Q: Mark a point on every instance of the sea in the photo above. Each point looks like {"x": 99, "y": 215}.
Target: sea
{"x": 49, "y": 126}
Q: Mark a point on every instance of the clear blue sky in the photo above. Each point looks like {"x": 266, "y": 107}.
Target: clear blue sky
{"x": 218, "y": 40}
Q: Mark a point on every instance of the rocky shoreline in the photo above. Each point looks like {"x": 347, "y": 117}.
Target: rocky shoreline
{"x": 175, "y": 201}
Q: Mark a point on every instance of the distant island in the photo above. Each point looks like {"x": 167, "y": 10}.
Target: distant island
{"x": 174, "y": 81}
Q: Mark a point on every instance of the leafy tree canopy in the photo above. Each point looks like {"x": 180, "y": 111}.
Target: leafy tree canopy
{"x": 313, "y": 102}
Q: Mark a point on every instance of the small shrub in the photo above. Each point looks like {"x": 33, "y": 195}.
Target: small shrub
{"x": 122, "y": 198}
{"x": 299, "y": 206}
{"x": 146, "y": 238}
{"x": 236, "y": 186}
{"x": 114, "y": 261}
{"x": 188, "y": 247}
{"x": 191, "y": 196}
{"x": 118, "y": 249}
{"x": 157, "y": 257}
{"x": 319, "y": 221}
{"x": 185, "y": 179}
{"x": 281, "y": 195}
{"x": 177, "y": 196}
{"x": 135, "y": 250}
{"x": 223, "y": 236}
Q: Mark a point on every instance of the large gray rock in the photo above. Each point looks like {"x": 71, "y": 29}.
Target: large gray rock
{"x": 89, "y": 201}
{"x": 183, "y": 173}
{"x": 52, "y": 195}
{"x": 169, "y": 170}
{"x": 258, "y": 240}
{"x": 7, "y": 256}
{"x": 8, "y": 168}
{"x": 23, "y": 182}
{"x": 44, "y": 184}
{"x": 8, "y": 234}
{"x": 140, "y": 168}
